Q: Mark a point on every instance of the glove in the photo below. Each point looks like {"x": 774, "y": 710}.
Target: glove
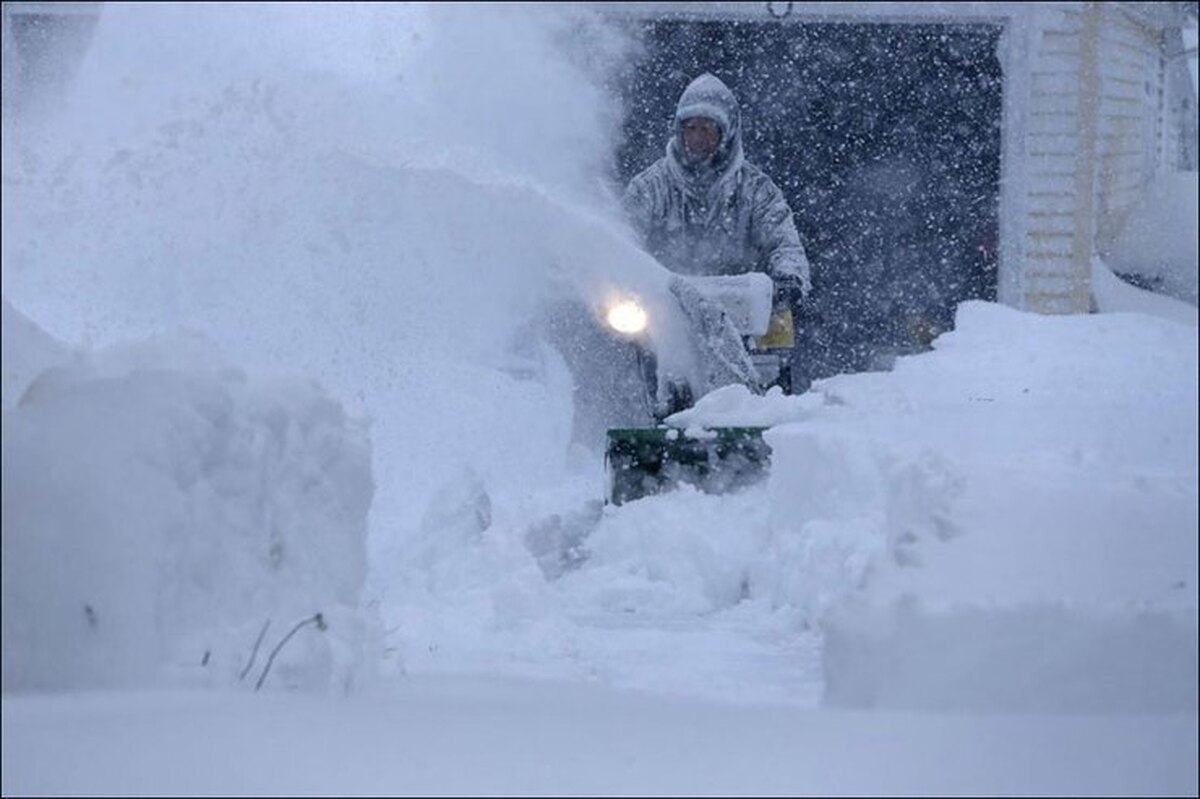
{"x": 789, "y": 292}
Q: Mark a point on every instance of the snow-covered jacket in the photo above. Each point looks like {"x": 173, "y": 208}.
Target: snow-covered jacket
{"x": 721, "y": 217}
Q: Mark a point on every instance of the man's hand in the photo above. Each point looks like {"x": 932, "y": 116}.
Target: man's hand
{"x": 789, "y": 292}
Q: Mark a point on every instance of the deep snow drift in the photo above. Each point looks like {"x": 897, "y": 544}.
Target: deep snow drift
{"x": 1158, "y": 242}
{"x": 162, "y": 512}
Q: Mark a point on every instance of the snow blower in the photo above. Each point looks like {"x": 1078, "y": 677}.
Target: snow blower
{"x": 739, "y": 338}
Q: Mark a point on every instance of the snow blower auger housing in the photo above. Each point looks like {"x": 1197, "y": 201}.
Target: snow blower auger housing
{"x": 650, "y": 460}
{"x": 739, "y": 338}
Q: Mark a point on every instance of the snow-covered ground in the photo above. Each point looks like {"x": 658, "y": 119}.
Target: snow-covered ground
{"x": 281, "y": 316}
{"x": 431, "y": 736}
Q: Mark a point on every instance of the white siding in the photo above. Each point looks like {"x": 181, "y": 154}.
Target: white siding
{"x": 1096, "y": 125}
{"x": 1051, "y": 153}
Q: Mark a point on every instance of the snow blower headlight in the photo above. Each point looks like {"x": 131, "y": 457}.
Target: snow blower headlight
{"x": 627, "y": 317}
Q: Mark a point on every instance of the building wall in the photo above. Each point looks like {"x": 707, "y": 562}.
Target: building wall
{"x": 1097, "y": 133}
{"x": 1054, "y": 207}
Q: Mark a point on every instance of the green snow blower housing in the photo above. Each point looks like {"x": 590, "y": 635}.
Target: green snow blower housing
{"x": 641, "y": 461}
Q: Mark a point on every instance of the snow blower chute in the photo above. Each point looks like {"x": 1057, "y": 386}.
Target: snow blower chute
{"x": 739, "y": 338}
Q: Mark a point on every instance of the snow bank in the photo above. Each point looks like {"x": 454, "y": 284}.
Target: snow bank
{"x": 1032, "y": 507}
{"x": 1044, "y": 657}
{"x": 160, "y": 508}
{"x": 1114, "y": 295}
{"x": 25, "y": 352}
{"x": 1007, "y": 523}
{"x": 1158, "y": 240}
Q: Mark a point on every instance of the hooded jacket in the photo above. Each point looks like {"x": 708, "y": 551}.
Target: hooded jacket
{"x": 721, "y": 217}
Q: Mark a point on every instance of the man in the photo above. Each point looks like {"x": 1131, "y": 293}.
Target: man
{"x": 703, "y": 210}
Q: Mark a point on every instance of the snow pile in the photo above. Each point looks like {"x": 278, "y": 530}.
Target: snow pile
{"x": 1114, "y": 295}
{"x": 25, "y": 352}
{"x": 161, "y": 508}
{"x": 1030, "y": 492}
{"x": 735, "y": 406}
{"x": 1158, "y": 241}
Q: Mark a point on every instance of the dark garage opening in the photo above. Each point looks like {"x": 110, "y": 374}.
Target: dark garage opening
{"x": 885, "y": 139}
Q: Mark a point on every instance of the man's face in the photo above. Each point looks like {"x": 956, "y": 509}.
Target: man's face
{"x": 701, "y": 137}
